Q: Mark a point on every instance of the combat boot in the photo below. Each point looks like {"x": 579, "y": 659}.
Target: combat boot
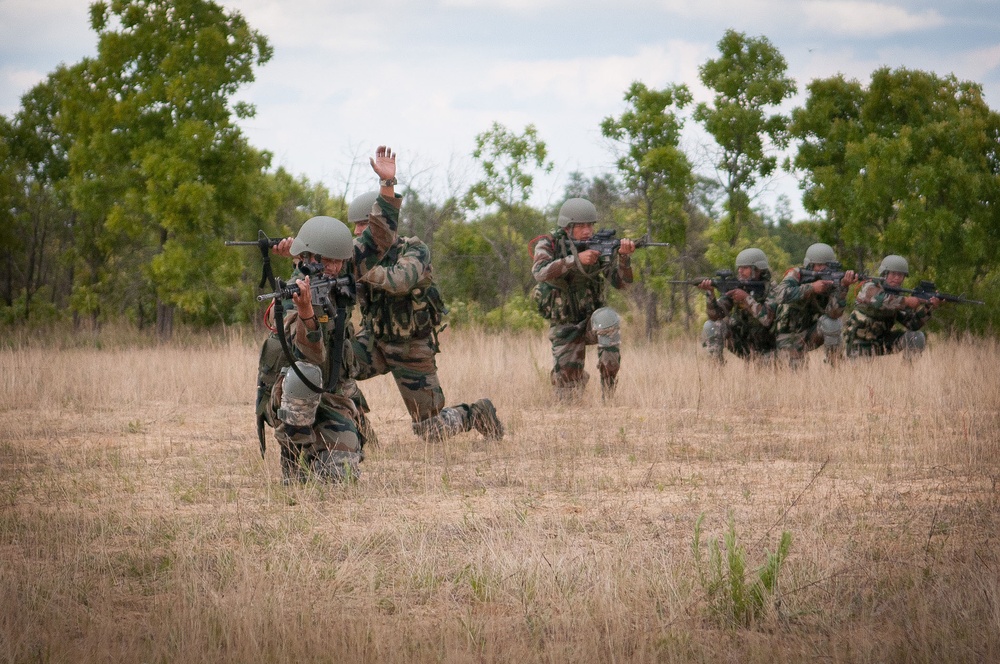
{"x": 485, "y": 420}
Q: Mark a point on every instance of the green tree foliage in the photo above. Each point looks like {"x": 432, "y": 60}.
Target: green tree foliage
{"x": 507, "y": 222}
{"x": 37, "y": 222}
{"x": 659, "y": 176}
{"x": 911, "y": 166}
{"x": 159, "y": 171}
{"x": 749, "y": 79}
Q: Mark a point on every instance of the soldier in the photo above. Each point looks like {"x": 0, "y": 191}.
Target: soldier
{"x": 869, "y": 329}
{"x": 738, "y": 320}
{"x": 401, "y": 313}
{"x": 807, "y": 315}
{"x": 319, "y": 431}
{"x": 571, "y": 295}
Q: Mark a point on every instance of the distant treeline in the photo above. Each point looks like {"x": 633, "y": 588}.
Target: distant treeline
{"x": 121, "y": 175}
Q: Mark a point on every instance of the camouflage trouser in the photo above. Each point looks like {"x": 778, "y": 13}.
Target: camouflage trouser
{"x": 329, "y": 449}
{"x": 793, "y": 346}
{"x": 569, "y": 354}
{"x": 718, "y": 335}
{"x": 909, "y": 343}
{"x": 413, "y": 367}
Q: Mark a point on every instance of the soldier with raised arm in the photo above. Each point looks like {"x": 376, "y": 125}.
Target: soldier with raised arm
{"x": 401, "y": 314}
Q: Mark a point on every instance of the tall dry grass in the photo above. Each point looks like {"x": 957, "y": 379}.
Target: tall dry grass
{"x": 139, "y": 523}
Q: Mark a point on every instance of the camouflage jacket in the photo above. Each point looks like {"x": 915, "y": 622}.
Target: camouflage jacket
{"x": 398, "y": 297}
{"x": 567, "y": 291}
{"x": 750, "y": 323}
{"x": 797, "y": 306}
{"x": 876, "y": 312}
{"x": 315, "y": 345}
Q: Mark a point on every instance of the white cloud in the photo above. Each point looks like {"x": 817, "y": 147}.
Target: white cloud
{"x": 856, "y": 18}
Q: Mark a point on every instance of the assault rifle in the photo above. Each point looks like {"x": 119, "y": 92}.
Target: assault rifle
{"x": 724, "y": 281}
{"x": 607, "y": 244}
{"x": 834, "y": 272}
{"x": 925, "y": 290}
{"x": 339, "y": 290}
{"x": 265, "y": 244}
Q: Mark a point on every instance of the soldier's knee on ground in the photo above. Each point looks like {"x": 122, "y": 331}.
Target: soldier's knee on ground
{"x": 336, "y": 466}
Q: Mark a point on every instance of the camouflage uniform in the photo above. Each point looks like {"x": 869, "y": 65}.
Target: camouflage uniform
{"x": 402, "y": 311}
{"x": 745, "y": 330}
{"x": 804, "y": 319}
{"x": 330, "y": 447}
{"x": 869, "y": 328}
{"x": 568, "y": 293}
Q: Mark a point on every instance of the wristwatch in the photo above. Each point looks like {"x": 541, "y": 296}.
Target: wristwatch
{"x": 391, "y": 182}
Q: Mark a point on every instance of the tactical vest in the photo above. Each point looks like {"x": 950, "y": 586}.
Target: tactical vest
{"x": 414, "y": 315}
{"x": 576, "y": 295}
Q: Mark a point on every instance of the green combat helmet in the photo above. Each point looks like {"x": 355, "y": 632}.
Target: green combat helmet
{"x": 893, "y": 263}
{"x": 752, "y": 257}
{"x": 577, "y": 211}
{"x": 606, "y": 323}
{"x": 324, "y": 236}
{"x": 819, "y": 254}
{"x": 361, "y": 207}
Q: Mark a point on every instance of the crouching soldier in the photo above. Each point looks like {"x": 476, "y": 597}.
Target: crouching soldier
{"x": 741, "y": 319}
{"x": 316, "y": 421}
{"x": 871, "y": 327}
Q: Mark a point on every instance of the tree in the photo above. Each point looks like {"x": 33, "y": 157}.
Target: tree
{"x": 656, "y": 171}
{"x": 158, "y": 168}
{"x": 911, "y": 166}
{"x": 748, "y": 78}
{"x": 508, "y": 223}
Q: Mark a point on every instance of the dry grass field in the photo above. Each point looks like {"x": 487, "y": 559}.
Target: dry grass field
{"x": 138, "y": 522}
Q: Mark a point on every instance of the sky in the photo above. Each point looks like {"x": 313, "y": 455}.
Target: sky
{"x": 425, "y": 77}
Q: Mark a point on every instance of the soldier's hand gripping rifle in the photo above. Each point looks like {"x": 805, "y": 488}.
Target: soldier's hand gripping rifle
{"x": 925, "y": 290}
{"x": 605, "y": 243}
{"x": 265, "y": 244}
{"x": 834, "y": 272}
{"x": 725, "y": 281}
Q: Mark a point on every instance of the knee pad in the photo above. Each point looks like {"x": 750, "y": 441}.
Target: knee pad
{"x": 830, "y": 329}
{"x": 914, "y": 342}
{"x": 298, "y": 402}
{"x": 713, "y": 332}
{"x": 606, "y": 323}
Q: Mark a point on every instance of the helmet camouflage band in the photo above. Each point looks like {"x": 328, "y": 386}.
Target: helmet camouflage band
{"x": 326, "y": 237}
{"x": 752, "y": 257}
{"x": 577, "y": 211}
{"x": 819, "y": 254}
{"x": 893, "y": 263}
{"x": 360, "y": 207}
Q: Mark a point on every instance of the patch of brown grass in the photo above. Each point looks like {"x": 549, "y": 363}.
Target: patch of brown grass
{"x": 138, "y": 522}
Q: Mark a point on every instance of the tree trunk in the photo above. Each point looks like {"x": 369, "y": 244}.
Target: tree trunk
{"x": 164, "y": 320}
